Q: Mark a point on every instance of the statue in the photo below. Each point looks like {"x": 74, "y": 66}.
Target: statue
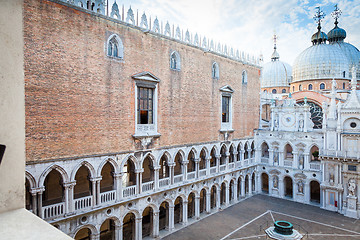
{"x": 352, "y": 187}
{"x": 300, "y": 186}
{"x": 275, "y": 181}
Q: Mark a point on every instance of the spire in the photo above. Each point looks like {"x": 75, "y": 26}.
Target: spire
{"x": 336, "y": 34}
{"x": 319, "y": 37}
{"x": 275, "y": 56}
{"x": 332, "y": 108}
{"x": 336, "y": 14}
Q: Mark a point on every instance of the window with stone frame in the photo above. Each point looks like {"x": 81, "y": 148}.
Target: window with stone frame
{"x": 175, "y": 61}
{"x": 226, "y": 108}
{"x": 145, "y": 105}
{"x": 115, "y": 47}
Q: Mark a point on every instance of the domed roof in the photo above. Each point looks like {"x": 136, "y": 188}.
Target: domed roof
{"x": 275, "y": 74}
{"x": 336, "y": 34}
{"x": 320, "y": 61}
{"x": 319, "y": 37}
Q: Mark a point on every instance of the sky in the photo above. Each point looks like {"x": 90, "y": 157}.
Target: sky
{"x": 249, "y": 25}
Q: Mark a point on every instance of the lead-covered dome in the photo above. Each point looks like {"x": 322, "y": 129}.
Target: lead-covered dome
{"x": 321, "y": 61}
{"x": 275, "y": 73}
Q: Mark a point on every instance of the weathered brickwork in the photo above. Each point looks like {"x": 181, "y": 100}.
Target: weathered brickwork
{"x": 81, "y": 102}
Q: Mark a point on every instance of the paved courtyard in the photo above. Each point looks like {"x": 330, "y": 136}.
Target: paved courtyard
{"x": 249, "y": 218}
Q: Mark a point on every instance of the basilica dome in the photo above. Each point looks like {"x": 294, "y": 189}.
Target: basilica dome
{"x": 321, "y": 61}
{"x": 275, "y": 73}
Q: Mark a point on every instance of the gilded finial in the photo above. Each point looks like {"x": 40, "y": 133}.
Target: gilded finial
{"x": 336, "y": 14}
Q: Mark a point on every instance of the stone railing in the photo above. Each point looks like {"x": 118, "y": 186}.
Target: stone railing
{"x": 54, "y": 210}
{"x": 164, "y": 182}
{"x": 202, "y": 172}
{"x": 213, "y": 170}
{"x": 83, "y": 203}
{"x": 129, "y": 191}
{"x": 341, "y": 154}
{"x": 109, "y": 196}
{"x": 148, "y": 186}
{"x": 191, "y": 175}
{"x": 315, "y": 166}
{"x": 178, "y": 178}
{"x": 288, "y": 163}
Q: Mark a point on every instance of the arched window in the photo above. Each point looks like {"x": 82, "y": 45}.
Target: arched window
{"x": 344, "y": 85}
{"x": 244, "y": 76}
{"x": 293, "y": 88}
{"x": 310, "y": 87}
{"x": 265, "y": 91}
{"x": 283, "y": 91}
{"x": 115, "y": 47}
{"x": 274, "y": 91}
{"x": 300, "y": 87}
{"x": 344, "y": 74}
{"x": 322, "y": 86}
{"x": 175, "y": 61}
{"x": 215, "y": 71}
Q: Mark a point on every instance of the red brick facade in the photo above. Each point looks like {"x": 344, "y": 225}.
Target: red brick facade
{"x": 81, "y": 102}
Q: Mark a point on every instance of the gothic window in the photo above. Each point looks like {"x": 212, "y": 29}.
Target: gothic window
{"x": 310, "y": 87}
{"x": 300, "y": 87}
{"x": 175, "y": 61}
{"x": 293, "y": 88}
{"x": 316, "y": 114}
{"x": 225, "y": 109}
{"x": 344, "y": 85}
{"x": 274, "y": 91}
{"x": 322, "y": 86}
{"x": 215, "y": 71}
{"x": 283, "y": 91}
{"x": 244, "y": 77}
{"x": 343, "y": 74}
{"x": 115, "y": 47}
{"x": 145, "y": 105}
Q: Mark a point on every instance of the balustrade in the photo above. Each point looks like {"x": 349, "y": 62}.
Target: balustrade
{"x": 129, "y": 191}
{"x": 164, "y": 182}
{"x": 148, "y": 186}
{"x": 315, "y": 166}
{"x": 54, "y": 210}
{"x": 83, "y": 203}
{"x": 178, "y": 178}
{"x": 264, "y": 160}
{"x": 288, "y": 163}
{"x": 213, "y": 170}
{"x": 108, "y": 196}
{"x": 222, "y": 168}
{"x": 202, "y": 172}
{"x": 231, "y": 165}
{"x": 246, "y": 162}
{"x": 191, "y": 175}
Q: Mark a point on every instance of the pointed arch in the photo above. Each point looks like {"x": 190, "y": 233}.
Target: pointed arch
{"x": 56, "y": 167}
{"x": 114, "y": 47}
{"x": 150, "y": 205}
{"x": 31, "y": 179}
{"x": 167, "y": 155}
{"x": 112, "y": 162}
{"x": 152, "y": 158}
{"x": 132, "y": 158}
{"x": 86, "y": 164}
{"x": 91, "y": 227}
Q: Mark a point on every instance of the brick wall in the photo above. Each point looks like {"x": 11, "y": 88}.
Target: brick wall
{"x": 80, "y": 102}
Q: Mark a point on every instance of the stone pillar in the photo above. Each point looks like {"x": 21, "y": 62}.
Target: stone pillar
{"x": 197, "y": 207}
{"x": 208, "y": 201}
{"x": 208, "y": 166}
{"x": 156, "y": 224}
{"x": 242, "y": 156}
{"x": 185, "y": 212}
{"x": 281, "y": 187}
{"x": 118, "y": 186}
{"x": 235, "y": 157}
{"x": 306, "y": 161}
{"x": 218, "y": 193}
{"x": 185, "y": 163}
{"x": 281, "y": 158}
{"x": 235, "y": 193}
{"x": 98, "y": 191}
{"x": 322, "y": 197}
{"x": 258, "y": 155}
{"x": 156, "y": 178}
{"x": 138, "y": 173}
{"x": 171, "y": 174}
{"x": 71, "y": 197}
{"x": 294, "y": 188}
{"x": 307, "y": 192}
{"x": 66, "y": 192}
{"x": 171, "y": 218}
{"x": 196, "y": 160}
{"x": 118, "y": 232}
{"x": 295, "y": 160}
{"x": 227, "y": 160}
{"x": 227, "y": 191}
{"x": 243, "y": 187}
{"x": 138, "y": 228}
{"x": 250, "y": 185}
{"x": 40, "y": 192}
{"x": 217, "y": 157}
{"x": 94, "y": 191}
{"x": 271, "y": 157}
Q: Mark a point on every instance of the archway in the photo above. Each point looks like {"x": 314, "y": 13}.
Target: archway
{"x": 288, "y": 152}
{"x": 83, "y": 234}
{"x": 147, "y": 222}
{"x": 191, "y": 205}
{"x": 314, "y": 154}
{"x": 202, "y": 163}
{"x": 265, "y": 183}
{"x": 129, "y": 228}
{"x": 164, "y": 216}
{"x": 223, "y": 155}
{"x": 315, "y": 191}
{"x": 107, "y": 230}
{"x": 202, "y": 200}
{"x": 54, "y": 190}
{"x": 213, "y": 157}
{"x": 83, "y": 186}
{"x": 178, "y": 210}
{"x": 107, "y": 182}
{"x": 178, "y": 169}
{"x": 223, "y": 193}
{"x": 247, "y": 184}
{"x": 239, "y": 150}
{"x": 129, "y": 178}
{"x": 264, "y": 150}
{"x": 246, "y": 152}
{"x": 191, "y": 164}
{"x": 288, "y": 187}
{"x": 147, "y": 175}
{"x": 213, "y": 197}
{"x": 239, "y": 188}
{"x": 253, "y": 182}
{"x": 231, "y": 191}
{"x": 231, "y": 156}
{"x": 164, "y": 173}
{"x": 28, "y": 196}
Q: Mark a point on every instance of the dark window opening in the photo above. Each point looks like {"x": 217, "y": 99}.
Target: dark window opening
{"x": 145, "y": 105}
{"x": 274, "y": 91}
{"x": 283, "y": 91}
{"x": 225, "y": 108}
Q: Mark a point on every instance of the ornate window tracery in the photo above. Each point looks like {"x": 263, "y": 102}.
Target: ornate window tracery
{"x": 316, "y": 114}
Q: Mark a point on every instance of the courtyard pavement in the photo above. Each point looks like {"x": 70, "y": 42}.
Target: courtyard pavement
{"x": 249, "y": 218}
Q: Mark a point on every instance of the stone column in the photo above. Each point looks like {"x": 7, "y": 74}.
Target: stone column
{"x": 208, "y": 201}
{"x": 322, "y": 197}
{"x": 138, "y": 228}
{"x": 257, "y": 155}
{"x": 242, "y": 156}
{"x": 218, "y": 193}
{"x": 227, "y": 198}
{"x": 197, "y": 207}
{"x": 271, "y": 157}
{"x": 118, "y": 186}
{"x": 185, "y": 212}
{"x": 235, "y": 157}
{"x": 217, "y": 157}
{"x": 307, "y": 192}
{"x": 306, "y": 161}
{"x": 34, "y": 200}
{"x": 281, "y": 187}
{"x": 118, "y": 232}
{"x": 94, "y": 191}
{"x": 67, "y": 192}
{"x": 250, "y": 185}
{"x": 208, "y": 166}
{"x": 171, "y": 218}
{"x": 71, "y": 197}
{"x": 156, "y": 178}
{"x": 40, "y": 192}
{"x": 227, "y": 160}
{"x": 171, "y": 174}
{"x": 295, "y": 160}
{"x": 156, "y": 224}
{"x": 196, "y": 160}
{"x": 243, "y": 187}
{"x": 281, "y": 158}
{"x": 185, "y": 163}
{"x": 138, "y": 173}
{"x": 98, "y": 191}
{"x": 295, "y": 189}
{"x": 235, "y": 193}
